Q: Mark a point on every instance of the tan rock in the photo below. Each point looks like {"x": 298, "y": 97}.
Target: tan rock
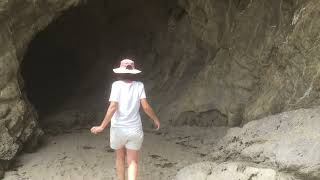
{"x": 230, "y": 171}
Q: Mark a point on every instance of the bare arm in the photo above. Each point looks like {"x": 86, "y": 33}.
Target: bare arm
{"x": 111, "y": 110}
{"x": 149, "y": 111}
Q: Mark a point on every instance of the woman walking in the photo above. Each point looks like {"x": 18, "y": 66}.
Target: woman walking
{"x": 126, "y": 133}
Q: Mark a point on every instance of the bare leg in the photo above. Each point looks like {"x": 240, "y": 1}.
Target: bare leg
{"x": 120, "y": 162}
{"x": 132, "y": 159}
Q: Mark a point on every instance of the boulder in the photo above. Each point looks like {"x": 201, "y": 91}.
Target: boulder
{"x": 287, "y": 142}
{"x": 230, "y": 171}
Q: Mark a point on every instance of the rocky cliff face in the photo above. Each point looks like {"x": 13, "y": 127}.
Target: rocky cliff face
{"x": 19, "y": 22}
{"x": 217, "y": 62}
{"x": 236, "y": 61}
{"x": 278, "y": 147}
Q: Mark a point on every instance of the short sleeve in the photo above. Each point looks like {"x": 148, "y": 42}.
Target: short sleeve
{"x": 115, "y": 92}
{"x": 142, "y": 92}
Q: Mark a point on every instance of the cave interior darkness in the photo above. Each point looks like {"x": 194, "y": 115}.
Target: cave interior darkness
{"x": 69, "y": 63}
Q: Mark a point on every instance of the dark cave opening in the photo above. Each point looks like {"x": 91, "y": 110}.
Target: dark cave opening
{"x": 59, "y": 58}
{"x": 68, "y": 65}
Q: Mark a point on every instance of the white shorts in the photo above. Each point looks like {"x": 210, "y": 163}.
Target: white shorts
{"x": 131, "y": 138}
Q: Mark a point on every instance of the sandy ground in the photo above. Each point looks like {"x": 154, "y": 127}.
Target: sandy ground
{"x": 79, "y": 155}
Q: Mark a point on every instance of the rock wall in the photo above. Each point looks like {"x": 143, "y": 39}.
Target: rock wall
{"x": 19, "y": 21}
{"x": 236, "y": 61}
{"x": 282, "y": 146}
{"x": 230, "y": 171}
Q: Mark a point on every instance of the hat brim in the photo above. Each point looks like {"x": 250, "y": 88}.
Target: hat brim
{"x": 128, "y": 71}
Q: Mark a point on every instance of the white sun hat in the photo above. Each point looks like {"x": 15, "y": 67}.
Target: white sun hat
{"x": 126, "y": 66}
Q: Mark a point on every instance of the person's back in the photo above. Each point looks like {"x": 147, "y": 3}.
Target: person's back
{"x": 128, "y": 96}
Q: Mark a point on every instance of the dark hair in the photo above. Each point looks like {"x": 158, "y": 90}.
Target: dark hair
{"x": 127, "y": 76}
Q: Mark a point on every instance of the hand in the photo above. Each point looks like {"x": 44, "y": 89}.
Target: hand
{"x": 96, "y": 129}
{"x": 157, "y": 124}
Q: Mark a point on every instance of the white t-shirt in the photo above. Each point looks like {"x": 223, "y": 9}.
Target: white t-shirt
{"x": 128, "y": 96}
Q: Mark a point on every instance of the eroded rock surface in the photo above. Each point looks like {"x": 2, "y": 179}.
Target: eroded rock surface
{"x": 242, "y": 59}
{"x": 230, "y": 171}
{"x": 19, "y": 21}
{"x": 287, "y": 142}
{"x": 284, "y": 143}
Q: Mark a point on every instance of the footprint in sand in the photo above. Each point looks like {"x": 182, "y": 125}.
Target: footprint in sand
{"x": 154, "y": 156}
{"x": 87, "y": 147}
{"x": 166, "y": 165}
{"x": 63, "y": 158}
{"x": 163, "y": 161}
